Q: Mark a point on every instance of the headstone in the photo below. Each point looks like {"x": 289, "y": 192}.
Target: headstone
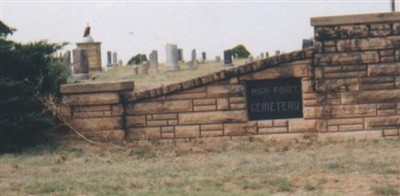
{"x": 109, "y": 57}
{"x": 193, "y": 62}
{"x": 261, "y": 55}
{"x": 308, "y": 43}
{"x": 67, "y": 59}
{"x": 236, "y": 56}
{"x": 277, "y": 52}
{"x": 136, "y": 70}
{"x": 143, "y": 58}
{"x": 180, "y": 54}
{"x": 228, "y": 58}
{"x": 172, "y": 63}
{"x": 153, "y": 58}
{"x": 120, "y": 63}
{"x": 145, "y": 67}
{"x": 217, "y": 59}
{"x": 81, "y": 64}
{"x": 266, "y": 54}
{"x": 250, "y": 58}
{"x": 203, "y": 57}
{"x": 114, "y": 59}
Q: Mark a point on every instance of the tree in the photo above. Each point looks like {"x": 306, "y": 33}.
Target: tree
{"x": 240, "y": 51}
{"x": 28, "y": 72}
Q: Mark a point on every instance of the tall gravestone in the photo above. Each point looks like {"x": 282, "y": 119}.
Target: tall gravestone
{"x": 217, "y": 59}
{"x": 203, "y": 57}
{"x": 261, "y": 55}
{"x": 193, "y": 62}
{"x": 180, "y": 54}
{"x": 266, "y": 54}
{"x": 67, "y": 59}
{"x": 114, "y": 59}
{"x": 277, "y": 52}
{"x": 153, "y": 58}
{"x": 172, "y": 62}
{"x": 81, "y": 64}
{"x": 109, "y": 59}
{"x": 144, "y": 63}
{"x": 228, "y": 58}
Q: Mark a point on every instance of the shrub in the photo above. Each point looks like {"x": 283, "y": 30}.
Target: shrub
{"x": 241, "y": 51}
{"x": 28, "y": 72}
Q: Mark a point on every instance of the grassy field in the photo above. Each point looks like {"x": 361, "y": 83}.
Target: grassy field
{"x": 247, "y": 166}
{"x": 163, "y": 77}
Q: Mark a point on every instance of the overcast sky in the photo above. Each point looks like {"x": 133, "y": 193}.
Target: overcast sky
{"x": 131, "y": 27}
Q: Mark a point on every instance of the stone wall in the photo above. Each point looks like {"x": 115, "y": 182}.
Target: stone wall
{"x": 350, "y": 88}
{"x": 97, "y": 109}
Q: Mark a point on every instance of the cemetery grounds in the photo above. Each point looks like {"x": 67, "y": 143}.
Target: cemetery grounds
{"x": 225, "y": 166}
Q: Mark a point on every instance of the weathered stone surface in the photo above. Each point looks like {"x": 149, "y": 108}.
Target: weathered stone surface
{"x": 187, "y": 131}
{"x": 155, "y": 123}
{"x": 136, "y": 121}
{"x": 385, "y": 106}
{"x": 212, "y": 127}
{"x": 377, "y": 83}
{"x": 264, "y": 123}
{"x": 337, "y": 85}
{"x": 391, "y": 132}
{"x": 353, "y": 135}
{"x": 339, "y": 111}
{"x": 384, "y": 69}
{"x": 345, "y": 121}
{"x": 160, "y": 107}
{"x": 396, "y": 28}
{"x": 212, "y": 117}
{"x": 351, "y": 127}
{"x": 355, "y": 19}
{"x": 167, "y": 129}
{"x": 301, "y": 125}
{"x": 368, "y": 43}
{"x": 172, "y": 122}
{"x": 272, "y": 130}
{"x": 397, "y": 81}
{"x": 97, "y": 87}
{"x": 379, "y": 33}
{"x": 165, "y": 116}
{"x": 347, "y": 58}
{"x": 214, "y": 133}
{"x": 376, "y": 96}
{"x": 352, "y": 74}
{"x": 94, "y": 114}
{"x": 167, "y": 135}
{"x": 225, "y": 90}
{"x": 146, "y": 133}
{"x": 97, "y": 124}
{"x": 353, "y": 31}
{"x": 115, "y": 135}
{"x": 204, "y": 108}
{"x": 386, "y": 112}
{"x": 233, "y": 129}
{"x": 237, "y": 100}
{"x": 91, "y": 99}
{"x": 280, "y": 123}
{"x": 180, "y": 96}
{"x": 94, "y": 108}
{"x": 198, "y": 102}
{"x": 237, "y": 106}
{"x": 222, "y": 104}
{"x": 284, "y": 70}
{"x": 326, "y": 33}
{"x": 333, "y": 128}
{"x": 382, "y": 122}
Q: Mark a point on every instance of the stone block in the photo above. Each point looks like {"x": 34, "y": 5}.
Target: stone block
{"x": 354, "y": 68}
{"x": 234, "y": 129}
{"x": 386, "y": 53}
{"x": 97, "y": 87}
{"x": 167, "y": 135}
{"x": 199, "y": 102}
{"x": 284, "y": 70}
{"x": 94, "y": 114}
{"x": 381, "y": 26}
{"x": 167, "y": 129}
{"x": 180, "y": 96}
{"x": 397, "y": 81}
{"x": 211, "y": 127}
{"x": 387, "y": 69}
{"x": 212, "y": 117}
{"x": 222, "y": 104}
{"x": 146, "y": 133}
{"x": 352, "y": 135}
{"x": 382, "y": 122}
{"x": 345, "y": 121}
{"x": 155, "y": 123}
{"x": 386, "y": 112}
{"x": 165, "y": 116}
{"x": 172, "y": 122}
{"x": 351, "y": 127}
{"x": 339, "y": 111}
{"x": 225, "y": 90}
{"x": 385, "y": 106}
{"x": 326, "y": 33}
{"x": 97, "y": 124}
{"x": 380, "y": 33}
{"x": 301, "y": 125}
{"x": 353, "y": 31}
{"x": 391, "y": 132}
{"x": 396, "y": 28}
{"x": 347, "y": 58}
{"x": 191, "y": 131}
{"x": 272, "y": 130}
{"x": 352, "y": 74}
{"x": 117, "y": 110}
{"x": 280, "y": 123}
{"x": 136, "y": 121}
{"x": 337, "y": 85}
{"x": 94, "y": 108}
{"x": 195, "y": 90}
{"x": 91, "y": 99}
{"x": 237, "y": 100}
{"x": 376, "y": 96}
{"x": 264, "y": 123}
{"x": 333, "y": 128}
{"x": 307, "y": 86}
{"x": 214, "y": 133}
{"x": 237, "y": 106}
{"x": 204, "y": 108}
{"x": 157, "y": 107}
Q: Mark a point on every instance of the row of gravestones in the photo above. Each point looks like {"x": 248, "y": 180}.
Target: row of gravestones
{"x": 112, "y": 60}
